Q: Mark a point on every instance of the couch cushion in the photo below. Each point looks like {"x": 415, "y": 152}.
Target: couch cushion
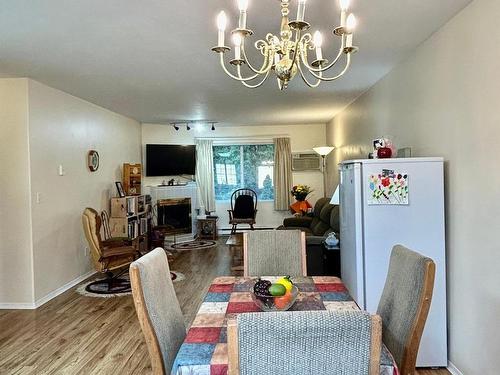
{"x": 324, "y": 215}
{"x": 335, "y": 219}
{"x": 320, "y": 228}
{"x": 299, "y": 221}
{"x": 302, "y": 229}
{"x": 319, "y": 206}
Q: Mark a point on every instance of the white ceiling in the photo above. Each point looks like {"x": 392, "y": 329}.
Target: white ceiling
{"x": 151, "y": 59}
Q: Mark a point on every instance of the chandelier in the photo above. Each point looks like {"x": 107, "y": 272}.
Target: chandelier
{"x": 286, "y": 54}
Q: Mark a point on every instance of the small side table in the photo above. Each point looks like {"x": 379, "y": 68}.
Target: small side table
{"x": 331, "y": 259}
{"x": 207, "y": 228}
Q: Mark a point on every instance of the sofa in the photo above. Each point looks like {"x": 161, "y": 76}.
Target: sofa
{"x": 324, "y": 220}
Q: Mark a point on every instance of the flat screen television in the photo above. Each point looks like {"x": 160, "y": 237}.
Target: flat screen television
{"x": 170, "y": 160}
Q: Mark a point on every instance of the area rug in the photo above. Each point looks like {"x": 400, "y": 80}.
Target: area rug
{"x": 176, "y": 277}
{"x": 192, "y": 245}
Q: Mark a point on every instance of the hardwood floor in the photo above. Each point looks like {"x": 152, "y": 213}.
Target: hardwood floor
{"x": 73, "y": 334}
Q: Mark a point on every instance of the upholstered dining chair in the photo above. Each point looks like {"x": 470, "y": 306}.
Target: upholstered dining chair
{"x": 274, "y": 253}
{"x": 158, "y": 309}
{"x": 405, "y": 304}
{"x": 243, "y": 208}
{"x": 304, "y": 342}
{"x": 109, "y": 257}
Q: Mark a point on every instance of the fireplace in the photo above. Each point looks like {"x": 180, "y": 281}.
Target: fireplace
{"x": 174, "y": 215}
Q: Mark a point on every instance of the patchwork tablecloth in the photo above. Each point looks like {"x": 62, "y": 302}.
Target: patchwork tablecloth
{"x": 204, "y": 351}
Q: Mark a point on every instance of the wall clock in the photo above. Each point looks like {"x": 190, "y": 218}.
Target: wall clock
{"x": 93, "y": 160}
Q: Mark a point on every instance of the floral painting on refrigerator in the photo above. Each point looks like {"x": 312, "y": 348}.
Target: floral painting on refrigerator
{"x": 388, "y": 187}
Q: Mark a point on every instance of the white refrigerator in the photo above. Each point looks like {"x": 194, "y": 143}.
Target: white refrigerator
{"x": 384, "y": 202}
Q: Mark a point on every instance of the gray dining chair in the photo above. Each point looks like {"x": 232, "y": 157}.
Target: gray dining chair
{"x": 158, "y": 309}
{"x": 305, "y": 342}
{"x": 405, "y": 304}
{"x": 274, "y": 253}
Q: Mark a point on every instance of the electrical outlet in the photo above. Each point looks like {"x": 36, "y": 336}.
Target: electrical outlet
{"x": 86, "y": 251}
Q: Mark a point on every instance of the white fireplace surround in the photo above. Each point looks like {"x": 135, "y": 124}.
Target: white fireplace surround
{"x": 178, "y": 191}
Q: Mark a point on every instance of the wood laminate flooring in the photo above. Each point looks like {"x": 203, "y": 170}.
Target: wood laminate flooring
{"x": 73, "y": 334}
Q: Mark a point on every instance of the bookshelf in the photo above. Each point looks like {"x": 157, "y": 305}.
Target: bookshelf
{"x": 130, "y": 217}
{"x": 132, "y": 177}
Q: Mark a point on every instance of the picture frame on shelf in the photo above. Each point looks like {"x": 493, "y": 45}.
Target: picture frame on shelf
{"x": 119, "y": 188}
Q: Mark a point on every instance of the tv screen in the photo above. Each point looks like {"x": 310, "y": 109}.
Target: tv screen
{"x": 170, "y": 160}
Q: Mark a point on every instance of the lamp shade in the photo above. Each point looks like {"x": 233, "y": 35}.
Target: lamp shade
{"x": 324, "y": 150}
{"x": 336, "y": 196}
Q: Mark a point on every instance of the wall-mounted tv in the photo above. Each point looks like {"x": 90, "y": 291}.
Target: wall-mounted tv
{"x": 170, "y": 160}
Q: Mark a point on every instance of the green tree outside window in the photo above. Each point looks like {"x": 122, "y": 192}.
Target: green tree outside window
{"x": 244, "y": 166}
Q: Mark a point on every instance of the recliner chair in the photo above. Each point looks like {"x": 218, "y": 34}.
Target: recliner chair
{"x": 108, "y": 256}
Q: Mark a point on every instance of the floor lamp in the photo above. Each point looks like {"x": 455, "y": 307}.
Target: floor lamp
{"x": 323, "y": 152}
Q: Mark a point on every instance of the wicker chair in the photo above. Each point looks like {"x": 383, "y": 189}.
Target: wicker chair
{"x": 110, "y": 257}
{"x": 243, "y": 208}
{"x": 274, "y": 253}
{"x": 405, "y": 304}
{"x": 158, "y": 309}
{"x": 305, "y": 342}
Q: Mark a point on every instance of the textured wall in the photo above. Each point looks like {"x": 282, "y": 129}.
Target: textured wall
{"x": 443, "y": 101}
{"x": 62, "y": 128}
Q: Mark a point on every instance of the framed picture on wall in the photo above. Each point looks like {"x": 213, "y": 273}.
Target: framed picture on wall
{"x": 119, "y": 188}
{"x": 93, "y": 160}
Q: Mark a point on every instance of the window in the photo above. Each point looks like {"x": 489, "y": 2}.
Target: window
{"x": 244, "y": 166}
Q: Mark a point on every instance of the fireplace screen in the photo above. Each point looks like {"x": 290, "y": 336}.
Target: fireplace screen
{"x": 174, "y": 215}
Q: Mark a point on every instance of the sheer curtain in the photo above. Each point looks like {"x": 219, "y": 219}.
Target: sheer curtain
{"x": 205, "y": 173}
{"x": 282, "y": 173}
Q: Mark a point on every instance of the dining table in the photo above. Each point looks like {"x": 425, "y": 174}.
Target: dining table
{"x": 204, "y": 350}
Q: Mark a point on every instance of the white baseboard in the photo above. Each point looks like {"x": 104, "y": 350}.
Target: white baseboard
{"x": 17, "y": 306}
{"x": 453, "y": 369}
{"x": 62, "y": 289}
{"x": 47, "y": 298}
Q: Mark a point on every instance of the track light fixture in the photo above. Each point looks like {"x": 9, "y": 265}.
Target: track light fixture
{"x": 199, "y": 124}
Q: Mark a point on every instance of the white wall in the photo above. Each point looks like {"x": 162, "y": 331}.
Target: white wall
{"x": 303, "y": 138}
{"x": 63, "y": 129}
{"x": 15, "y": 223}
{"x": 444, "y": 101}
{"x": 42, "y": 246}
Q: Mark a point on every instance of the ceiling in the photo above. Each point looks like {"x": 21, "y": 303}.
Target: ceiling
{"x": 151, "y": 59}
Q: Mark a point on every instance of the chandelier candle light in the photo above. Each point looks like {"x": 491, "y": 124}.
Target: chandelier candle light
{"x": 286, "y": 54}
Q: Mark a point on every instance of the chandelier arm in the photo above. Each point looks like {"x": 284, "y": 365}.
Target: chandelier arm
{"x": 348, "y": 63}
{"x": 257, "y": 84}
{"x": 297, "y": 41}
{"x": 311, "y": 85}
{"x": 230, "y": 74}
{"x": 265, "y": 66}
{"x": 327, "y": 67}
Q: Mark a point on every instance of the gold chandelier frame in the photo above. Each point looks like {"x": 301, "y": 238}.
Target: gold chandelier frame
{"x": 287, "y": 54}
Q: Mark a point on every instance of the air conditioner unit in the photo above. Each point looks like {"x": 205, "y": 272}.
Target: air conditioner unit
{"x": 306, "y": 161}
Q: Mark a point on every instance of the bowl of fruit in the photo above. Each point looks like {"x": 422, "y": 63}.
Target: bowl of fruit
{"x": 278, "y": 296}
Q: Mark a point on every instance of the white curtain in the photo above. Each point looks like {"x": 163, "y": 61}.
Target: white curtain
{"x": 205, "y": 174}
{"x": 282, "y": 174}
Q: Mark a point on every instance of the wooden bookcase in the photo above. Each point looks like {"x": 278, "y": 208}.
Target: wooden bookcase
{"x": 132, "y": 178}
{"x": 131, "y": 217}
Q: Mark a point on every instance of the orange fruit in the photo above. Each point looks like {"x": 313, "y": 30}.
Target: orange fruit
{"x": 281, "y": 302}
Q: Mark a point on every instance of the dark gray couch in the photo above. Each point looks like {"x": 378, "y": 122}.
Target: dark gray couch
{"x": 323, "y": 221}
